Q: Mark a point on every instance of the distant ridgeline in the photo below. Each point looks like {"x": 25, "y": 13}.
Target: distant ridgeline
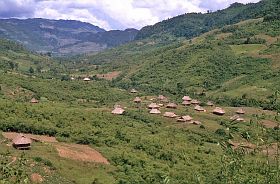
{"x": 62, "y": 37}
{"x": 194, "y": 24}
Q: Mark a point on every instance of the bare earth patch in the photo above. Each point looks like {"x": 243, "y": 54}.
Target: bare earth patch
{"x": 36, "y": 178}
{"x": 271, "y": 150}
{"x": 80, "y": 152}
{"x": 109, "y": 76}
{"x": 39, "y": 138}
{"x": 269, "y": 124}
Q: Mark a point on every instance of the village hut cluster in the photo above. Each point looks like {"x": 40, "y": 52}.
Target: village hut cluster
{"x": 155, "y": 107}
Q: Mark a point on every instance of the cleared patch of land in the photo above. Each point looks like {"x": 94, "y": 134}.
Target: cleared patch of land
{"x": 80, "y": 152}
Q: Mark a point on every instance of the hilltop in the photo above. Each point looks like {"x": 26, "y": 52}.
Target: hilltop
{"x": 62, "y": 37}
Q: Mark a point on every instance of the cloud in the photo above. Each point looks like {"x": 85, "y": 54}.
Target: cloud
{"x": 109, "y": 14}
{"x": 221, "y": 4}
{"x": 16, "y": 8}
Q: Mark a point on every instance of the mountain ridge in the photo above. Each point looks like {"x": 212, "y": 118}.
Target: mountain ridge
{"x": 62, "y": 37}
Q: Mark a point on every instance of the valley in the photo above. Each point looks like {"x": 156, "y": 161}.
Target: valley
{"x": 190, "y": 106}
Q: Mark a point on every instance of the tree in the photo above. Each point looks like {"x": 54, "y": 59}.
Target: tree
{"x": 31, "y": 70}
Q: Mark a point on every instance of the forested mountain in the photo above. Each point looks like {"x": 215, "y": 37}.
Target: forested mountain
{"x": 194, "y": 24}
{"x": 62, "y": 37}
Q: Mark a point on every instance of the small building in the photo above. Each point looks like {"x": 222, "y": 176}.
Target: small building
{"x": 137, "y": 100}
{"x": 162, "y": 98}
{"x": 195, "y": 102}
{"x": 199, "y": 108}
{"x": 240, "y": 111}
{"x": 153, "y": 106}
{"x": 86, "y": 79}
{"x": 186, "y": 98}
{"x": 171, "y": 106}
{"x": 34, "y": 100}
{"x": 22, "y": 142}
{"x": 170, "y": 115}
{"x": 155, "y": 111}
{"x": 118, "y": 111}
{"x": 186, "y": 103}
{"x": 185, "y": 119}
{"x": 133, "y": 91}
{"x": 209, "y": 103}
{"x": 219, "y": 111}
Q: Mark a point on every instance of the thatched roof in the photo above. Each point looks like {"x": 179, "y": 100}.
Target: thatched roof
{"x": 171, "y": 106}
{"x": 186, "y": 103}
{"x": 86, "y": 79}
{"x": 195, "y": 102}
{"x": 218, "y": 111}
{"x": 184, "y": 118}
{"x": 34, "y": 100}
{"x": 186, "y": 98}
{"x": 155, "y": 111}
{"x": 133, "y": 91}
{"x": 162, "y": 98}
{"x": 153, "y": 106}
{"x": 118, "y": 111}
{"x": 137, "y": 100}
{"x": 199, "y": 108}
{"x": 21, "y": 140}
{"x": 170, "y": 115}
{"x": 240, "y": 111}
{"x": 209, "y": 103}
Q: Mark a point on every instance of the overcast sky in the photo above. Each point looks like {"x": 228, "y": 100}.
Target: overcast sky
{"x": 109, "y": 14}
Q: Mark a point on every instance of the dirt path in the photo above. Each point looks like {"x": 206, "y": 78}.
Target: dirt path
{"x": 80, "y": 152}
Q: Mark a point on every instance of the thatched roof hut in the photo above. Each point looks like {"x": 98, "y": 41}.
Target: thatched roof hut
{"x": 184, "y": 118}
{"x": 118, "y": 111}
{"x": 219, "y": 111}
{"x": 170, "y": 115}
{"x": 240, "y": 111}
{"x": 195, "y": 102}
{"x": 199, "y": 108}
{"x": 162, "y": 98}
{"x": 153, "y": 106}
{"x": 86, "y": 79}
{"x": 155, "y": 111}
{"x": 171, "y": 106}
{"x": 133, "y": 91}
{"x": 185, "y": 103}
{"x": 186, "y": 98}
{"x": 137, "y": 100}
{"x": 209, "y": 103}
{"x": 34, "y": 100}
{"x": 22, "y": 142}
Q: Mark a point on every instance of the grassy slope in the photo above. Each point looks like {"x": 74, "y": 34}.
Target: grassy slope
{"x": 218, "y": 63}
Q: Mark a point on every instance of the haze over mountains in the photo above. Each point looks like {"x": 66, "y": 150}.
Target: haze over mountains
{"x": 62, "y": 37}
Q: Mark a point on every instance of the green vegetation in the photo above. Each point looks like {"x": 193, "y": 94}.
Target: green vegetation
{"x": 237, "y": 65}
{"x": 194, "y": 24}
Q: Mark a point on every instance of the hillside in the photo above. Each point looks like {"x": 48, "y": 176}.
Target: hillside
{"x": 222, "y": 64}
{"x": 140, "y": 147}
{"x": 62, "y": 37}
{"x": 77, "y": 139}
{"x": 194, "y": 24}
